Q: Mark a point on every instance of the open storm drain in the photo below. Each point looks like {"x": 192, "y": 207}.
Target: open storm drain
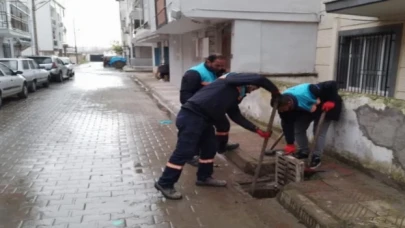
{"x": 263, "y": 190}
{"x": 288, "y": 170}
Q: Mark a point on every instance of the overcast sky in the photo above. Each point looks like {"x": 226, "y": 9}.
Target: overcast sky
{"x": 97, "y": 22}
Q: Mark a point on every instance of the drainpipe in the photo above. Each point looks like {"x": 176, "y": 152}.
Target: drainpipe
{"x": 34, "y": 19}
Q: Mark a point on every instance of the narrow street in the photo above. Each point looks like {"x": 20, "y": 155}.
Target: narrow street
{"x": 86, "y": 153}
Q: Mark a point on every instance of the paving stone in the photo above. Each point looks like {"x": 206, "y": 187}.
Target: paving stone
{"x": 91, "y": 157}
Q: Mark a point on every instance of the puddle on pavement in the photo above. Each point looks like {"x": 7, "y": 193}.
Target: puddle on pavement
{"x": 161, "y": 107}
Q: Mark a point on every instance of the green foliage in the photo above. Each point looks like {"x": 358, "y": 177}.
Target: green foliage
{"x": 117, "y": 48}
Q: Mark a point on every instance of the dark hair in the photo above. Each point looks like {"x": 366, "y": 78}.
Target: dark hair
{"x": 214, "y": 57}
{"x": 283, "y": 100}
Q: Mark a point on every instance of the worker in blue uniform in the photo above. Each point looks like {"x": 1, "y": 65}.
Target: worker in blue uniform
{"x": 196, "y": 121}
{"x": 298, "y": 107}
{"x": 196, "y": 78}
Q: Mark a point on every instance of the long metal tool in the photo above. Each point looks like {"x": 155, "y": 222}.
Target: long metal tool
{"x": 265, "y": 142}
{"x": 272, "y": 151}
{"x": 318, "y": 131}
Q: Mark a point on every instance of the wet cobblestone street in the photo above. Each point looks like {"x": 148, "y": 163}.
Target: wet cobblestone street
{"x": 85, "y": 153}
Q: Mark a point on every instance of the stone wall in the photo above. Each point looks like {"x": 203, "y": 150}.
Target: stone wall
{"x": 371, "y": 132}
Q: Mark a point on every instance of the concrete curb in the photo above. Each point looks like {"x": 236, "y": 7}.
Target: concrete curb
{"x": 242, "y": 160}
{"x": 306, "y": 211}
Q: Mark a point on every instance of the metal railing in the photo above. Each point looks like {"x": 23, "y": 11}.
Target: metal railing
{"x": 8, "y": 21}
{"x": 20, "y": 24}
{"x": 3, "y": 20}
{"x": 364, "y": 63}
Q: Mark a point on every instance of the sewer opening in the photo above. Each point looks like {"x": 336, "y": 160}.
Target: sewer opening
{"x": 266, "y": 186}
{"x": 263, "y": 190}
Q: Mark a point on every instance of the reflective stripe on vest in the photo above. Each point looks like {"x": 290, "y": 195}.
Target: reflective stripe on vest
{"x": 306, "y": 100}
{"x": 206, "y": 75}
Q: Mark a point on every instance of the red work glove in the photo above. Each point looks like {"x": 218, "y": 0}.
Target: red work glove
{"x": 263, "y": 134}
{"x": 289, "y": 149}
{"x": 328, "y": 106}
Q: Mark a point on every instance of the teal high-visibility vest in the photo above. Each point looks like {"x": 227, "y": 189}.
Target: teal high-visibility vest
{"x": 306, "y": 100}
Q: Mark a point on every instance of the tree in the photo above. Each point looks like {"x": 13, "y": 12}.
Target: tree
{"x": 117, "y": 48}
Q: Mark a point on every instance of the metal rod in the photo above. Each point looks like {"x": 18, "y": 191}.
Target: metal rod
{"x": 34, "y": 20}
{"x": 74, "y": 33}
{"x": 265, "y": 142}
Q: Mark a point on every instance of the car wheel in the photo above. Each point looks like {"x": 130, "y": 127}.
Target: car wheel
{"x": 46, "y": 84}
{"x": 33, "y": 87}
{"x": 24, "y": 92}
{"x": 60, "y": 77}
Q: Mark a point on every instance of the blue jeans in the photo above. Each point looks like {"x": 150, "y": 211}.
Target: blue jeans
{"x": 301, "y": 125}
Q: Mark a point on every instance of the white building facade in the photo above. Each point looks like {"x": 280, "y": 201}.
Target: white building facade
{"x": 360, "y": 44}
{"x": 51, "y": 30}
{"x": 15, "y": 36}
{"x": 132, "y": 21}
{"x": 250, "y": 35}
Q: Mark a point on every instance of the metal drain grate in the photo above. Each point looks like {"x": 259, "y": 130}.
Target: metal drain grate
{"x": 288, "y": 169}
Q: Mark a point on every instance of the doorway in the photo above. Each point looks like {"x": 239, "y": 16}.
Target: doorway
{"x": 226, "y": 34}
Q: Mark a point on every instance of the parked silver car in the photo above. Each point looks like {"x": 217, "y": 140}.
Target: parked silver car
{"x": 70, "y": 65}
{"x": 54, "y": 65}
{"x": 30, "y": 71}
{"x": 11, "y": 83}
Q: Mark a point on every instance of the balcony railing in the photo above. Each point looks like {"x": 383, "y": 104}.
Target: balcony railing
{"x": 19, "y": 24}
{"x": 8, "y": 21}
{"x": 3, "y": 20}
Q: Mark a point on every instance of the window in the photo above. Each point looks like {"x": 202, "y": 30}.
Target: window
{"x": 368, "y": 61}
{"x": 42, "y": 60}
{"x": 6, "y": 50}
{"x": 161, "y": 13}
{"x": 5, "y": 69}
{"x": 12, "y": 64}
{"x": 66, "y": 60}
{"x": 33, "y": 64}
{"x": 26, "y": 65}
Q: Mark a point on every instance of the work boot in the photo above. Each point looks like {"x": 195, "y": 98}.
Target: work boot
{"x": 211, "y": 182}
{"x": 169, "y": 193}
{"x": 194, "y": 161}
{"x": 315, "y": 162}
{"x": 230, "y": 147}
{"x": 301, "y": 154}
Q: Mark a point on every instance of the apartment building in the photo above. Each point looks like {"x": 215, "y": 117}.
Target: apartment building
{"x": 51, "y": 30}
{"x": 252, "y": 35}
{"x": 15, "y": 34}
{"x": 132, "y": 21}
{"x": 360, "y": 44}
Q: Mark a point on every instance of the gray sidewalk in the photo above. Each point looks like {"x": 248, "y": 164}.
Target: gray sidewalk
{"x": 340, "y": 196}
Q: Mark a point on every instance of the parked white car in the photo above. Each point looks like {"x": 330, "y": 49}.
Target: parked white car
{"x": 54, "y": 65}
{"x": 30, "y": 71}
{"x": 70, "y": 65}
{"x": 11, "y": 83}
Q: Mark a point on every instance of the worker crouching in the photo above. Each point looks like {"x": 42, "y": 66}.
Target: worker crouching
{"x": 299, "y": 107}
{"x": 196, "y": 121}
